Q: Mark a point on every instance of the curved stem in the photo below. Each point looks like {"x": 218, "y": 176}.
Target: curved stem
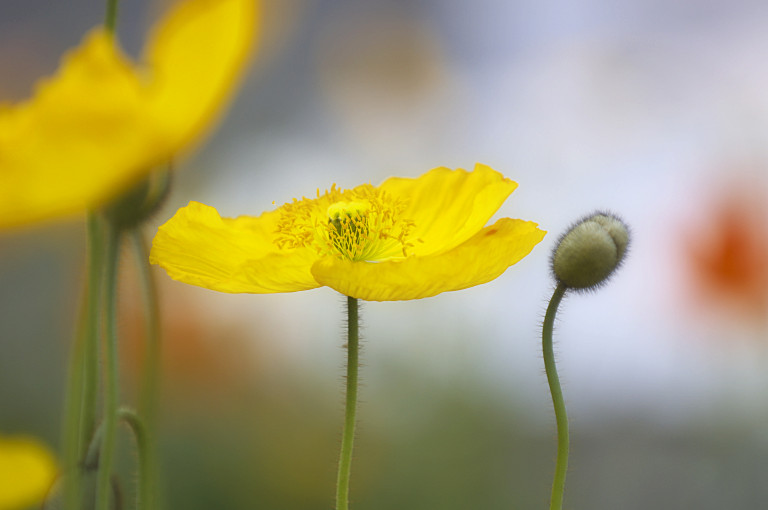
{"x": 150, "y": 382}
{"x": 348, "y": 434}
{"x": 109, "y": 417}
{"x": 561, "y": 466}
{"x": 143, "y": 447}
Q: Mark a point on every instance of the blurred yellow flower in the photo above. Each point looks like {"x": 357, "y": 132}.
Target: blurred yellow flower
{"x": 405, "y": 239}
{"x": 103, "y": 122}
{"x": 27, "y": 471}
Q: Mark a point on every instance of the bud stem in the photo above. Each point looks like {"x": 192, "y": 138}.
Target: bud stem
{"x": 348, "y": 433}
{"x": 561, "y": 465}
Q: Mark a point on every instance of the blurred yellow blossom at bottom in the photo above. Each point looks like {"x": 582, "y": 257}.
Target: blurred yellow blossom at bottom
{"x": 27, "y": 471}
{"x": 405, "y": 239}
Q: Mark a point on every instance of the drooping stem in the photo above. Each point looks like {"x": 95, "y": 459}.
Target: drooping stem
{"x": 110, "y": 379}
{"x": 561, "y": 465}
{"x": 151, "y": 370}
{"x": 350, "y": 408}
{"x": 143, "y": 447}
{"x": 83, "y": 379}
{"x": 92, "y": 458}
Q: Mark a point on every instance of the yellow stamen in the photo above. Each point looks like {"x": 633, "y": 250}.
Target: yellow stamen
{"x": 361, "y": 224}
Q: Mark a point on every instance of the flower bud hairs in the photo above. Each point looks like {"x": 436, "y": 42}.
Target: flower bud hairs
{"x": 585, "y": 257}
{"x": 590, "y": 252}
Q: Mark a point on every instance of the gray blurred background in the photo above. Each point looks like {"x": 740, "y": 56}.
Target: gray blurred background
{"x": 655, "y": 110}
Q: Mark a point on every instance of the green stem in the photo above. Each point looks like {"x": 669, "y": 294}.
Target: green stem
{"x": 348, "y": 433}
{"x": 110, "y": 19}
{"x": 83, "y": 381}
{"x": 91, "y": 367}
{"x": 109, "y": 417}
{"x": 150, "y": 382}
{"x": 561, "y": 466}
{"x": 139, "y": 430}
{"x": 143, "y": 447}
{"x": 72, "y": 413}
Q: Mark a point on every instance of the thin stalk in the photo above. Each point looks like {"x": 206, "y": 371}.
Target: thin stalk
{"x": 150, "y": 383}
{"x": 109, "y": 416}
{"x": 83, "y": 380}
{"x": 110, "y": 18}
{"x": 143, "y": 446}
{"x": 73, "y": 408}
{"x": 151, "y": 372}
{"x": 91, "y": 367}
{"x": 348, "y": 433}
{"x": 561, "y": 465}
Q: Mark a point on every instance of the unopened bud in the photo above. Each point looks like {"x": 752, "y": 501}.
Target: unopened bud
{"x": 590, "y": 251}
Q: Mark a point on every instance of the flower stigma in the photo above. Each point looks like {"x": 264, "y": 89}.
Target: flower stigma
{"x": 364, "y": 224}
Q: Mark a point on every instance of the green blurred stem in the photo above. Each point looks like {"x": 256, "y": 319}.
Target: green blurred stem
{"x": 150, "y": 382}
{"x": 72, "y": 421}
{"x": 109, "y": 416}
{"x": 143, "y": 447}
{"x": 93, "y": 322}
{"x": 139, "y": 430}
{"x": 151, "y": 372}
{"x": 110, "y": 19}
{"x": 82, "y": 384}
{"x": 561, "y": 466}
{"x": 348, "y": 434}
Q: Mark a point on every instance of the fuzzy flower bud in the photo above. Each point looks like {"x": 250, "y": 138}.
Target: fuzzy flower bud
{"x": 591, "y": 250}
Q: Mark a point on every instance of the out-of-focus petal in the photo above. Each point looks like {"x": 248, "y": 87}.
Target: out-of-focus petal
{"x": 480, "y": 259}
{"x": 197, "y": 55}
{"x": 449, "y": 206}
{"x": 84, "y": 136}
{"x": 199, "y": 247}
{"x": 101, "y": 123}
{"x": 27, "y": 471}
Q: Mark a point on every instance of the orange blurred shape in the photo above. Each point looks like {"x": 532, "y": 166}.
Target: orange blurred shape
{"x": 728, "y": 254}
{"x": 198, "y": 353}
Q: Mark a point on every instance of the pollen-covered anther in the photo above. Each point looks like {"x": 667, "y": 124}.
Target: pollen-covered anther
{"x": 363, "y": 224}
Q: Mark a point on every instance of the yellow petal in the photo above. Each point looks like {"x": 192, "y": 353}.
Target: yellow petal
{"x": 197, "y": 57}
{"x": 199, "y": 247}
{"x": 27, "y": 471}
{"x": 480, "y": 259}
{"x": 84, "y": 136}
{"x": 449, "y": 206}
{"x": 101, "y": 123}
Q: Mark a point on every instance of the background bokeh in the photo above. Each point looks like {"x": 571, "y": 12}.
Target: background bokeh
{"x": 654, "y": 110}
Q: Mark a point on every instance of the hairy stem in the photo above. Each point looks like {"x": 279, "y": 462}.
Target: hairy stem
{"x": 561, "y": 465}
{"x": 350, "y": 408}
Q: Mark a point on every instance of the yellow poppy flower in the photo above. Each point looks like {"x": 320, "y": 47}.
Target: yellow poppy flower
{"x": 27, "y": 471}
{"x": 103, "y": 122}
{"x": 405, "y": 239}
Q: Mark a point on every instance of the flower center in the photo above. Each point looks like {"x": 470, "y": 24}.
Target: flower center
{"x": 361, "y": 224}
